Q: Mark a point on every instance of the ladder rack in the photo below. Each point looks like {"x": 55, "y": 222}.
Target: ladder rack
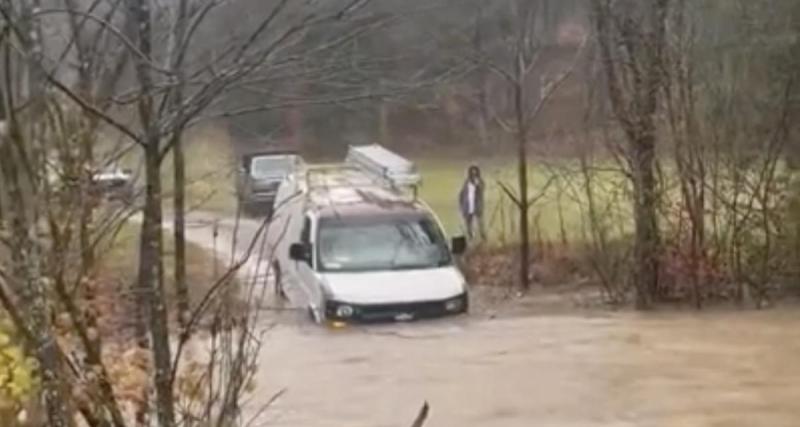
{"x": 374, "y": 159}
{"x": 366, "y": 166}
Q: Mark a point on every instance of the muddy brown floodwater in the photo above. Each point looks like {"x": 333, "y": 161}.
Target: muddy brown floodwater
{"x": 614, "y": 369}
{"x": 733, "y": 369}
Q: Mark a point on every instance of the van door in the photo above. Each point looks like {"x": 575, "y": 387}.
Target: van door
{"x": 306, "y": 273}
{"x": 284, "y": 226}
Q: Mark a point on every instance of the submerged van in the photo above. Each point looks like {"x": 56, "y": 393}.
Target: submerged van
{"x": 355, "y": 243}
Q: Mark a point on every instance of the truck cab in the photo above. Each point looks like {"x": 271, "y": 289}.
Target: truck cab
{"x": 259, "y": 176}
{"x": 355, "y": 247}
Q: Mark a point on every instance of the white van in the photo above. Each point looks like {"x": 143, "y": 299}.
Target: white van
{"x": 358, "y": 245}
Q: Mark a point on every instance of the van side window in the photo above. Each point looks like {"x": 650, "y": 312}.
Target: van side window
{"x": 305, "y": 234}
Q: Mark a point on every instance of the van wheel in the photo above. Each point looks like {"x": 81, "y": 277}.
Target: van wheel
{"x": 280, "y": 292}
{"x": 312, "y": 315}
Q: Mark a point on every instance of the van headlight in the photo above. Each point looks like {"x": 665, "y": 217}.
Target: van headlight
{"x": 455, "y": 304}
{"x": 344, "y": 310}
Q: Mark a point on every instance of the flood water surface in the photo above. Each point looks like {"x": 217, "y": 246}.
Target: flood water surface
{"x": 683, "y": 369}
{"x": 713, "y": 369}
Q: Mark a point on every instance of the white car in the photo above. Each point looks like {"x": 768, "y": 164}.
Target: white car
{"x": 111, "y": 182}
{"x": 114, "y": 183}
{"x": 357, "y": 248}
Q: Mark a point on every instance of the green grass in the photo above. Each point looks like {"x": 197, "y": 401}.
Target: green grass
{"x": 211, "y": 176}
{"x": 561, "y": 211}
{"x": 118, "y": 264}
{"x": 210, "y": 173}
{"x": 562, "y": 204}
{"x": 211, "y": 167}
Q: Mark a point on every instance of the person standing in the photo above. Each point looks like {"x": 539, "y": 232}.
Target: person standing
{"x": 470, "y": 202}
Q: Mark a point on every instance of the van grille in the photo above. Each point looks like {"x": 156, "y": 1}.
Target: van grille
{"x": 393, "y": 312}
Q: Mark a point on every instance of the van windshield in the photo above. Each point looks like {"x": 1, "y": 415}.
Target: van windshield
{"x": 265, "y": 167}
{"x": 387, "y": 244}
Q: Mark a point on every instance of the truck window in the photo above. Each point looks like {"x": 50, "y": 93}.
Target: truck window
{"x": 270, "y": 167}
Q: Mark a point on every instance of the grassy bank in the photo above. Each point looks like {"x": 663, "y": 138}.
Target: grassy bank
{"x": 561, "y": 207}
{"x": 210, "y": 172}
{"x": 560, "y": 210}
{"x": 119, "y": 262}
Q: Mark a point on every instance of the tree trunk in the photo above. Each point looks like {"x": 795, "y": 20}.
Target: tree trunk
{"x": 383, "y": 124}
{"x": 631, "y": 50}
{"x": 179, "y": 166}
{"x": 522, "y": 182}
{"x": 152, "y": 304}
{"x": 689, "y": 148}
{"x": 23, "y": 215}
{"x": 87, "y": 208}
{"x": 181, "y": 287}
{"x": 647, "y": 241}
{"x": 19, "y": 150}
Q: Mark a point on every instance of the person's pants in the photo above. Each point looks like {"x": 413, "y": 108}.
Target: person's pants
{"x": 472, "y": 221}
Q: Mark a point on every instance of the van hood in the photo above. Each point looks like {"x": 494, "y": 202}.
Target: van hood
{"x": 397, "y": 286}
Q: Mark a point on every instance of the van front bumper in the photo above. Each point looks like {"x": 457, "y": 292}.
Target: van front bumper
{"x": 395, "y": 312}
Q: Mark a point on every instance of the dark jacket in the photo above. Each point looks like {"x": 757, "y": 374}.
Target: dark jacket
{"x": 463, "y": 202}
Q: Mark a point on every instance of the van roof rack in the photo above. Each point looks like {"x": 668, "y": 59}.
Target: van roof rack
{"x": 366, "y": 166}
{"x": 378, "y": 161}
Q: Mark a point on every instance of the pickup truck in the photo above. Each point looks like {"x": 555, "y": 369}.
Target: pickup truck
{"x": 260, "y": 174}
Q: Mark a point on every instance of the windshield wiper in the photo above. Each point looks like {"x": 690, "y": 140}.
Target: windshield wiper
{"x": 415, "y": 266}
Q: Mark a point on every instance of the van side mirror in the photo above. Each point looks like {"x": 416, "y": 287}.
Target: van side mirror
{"x": 300, "y": 252}
{"x": 458, "y": 245}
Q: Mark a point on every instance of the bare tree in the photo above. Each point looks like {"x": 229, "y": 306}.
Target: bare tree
{"x": 689, "y": 150}
{"x": 167, "y": 98}
{"x": 518, "y": 62}
{"x": 177, "y": 57}
{"x": 632, "y": 37}
{"x": 20, "y": 159}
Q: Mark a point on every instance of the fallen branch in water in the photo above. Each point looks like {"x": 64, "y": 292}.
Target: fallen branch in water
{"x": 422, "y": 416}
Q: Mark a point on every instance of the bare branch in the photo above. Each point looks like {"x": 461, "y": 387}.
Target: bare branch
{"x": 543, "y": 192}
{"x": 510, "y": 193}
{"x": 554, "y": 86}
{"x": 422, "y": 416}
{"x": 130, "y": 45}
